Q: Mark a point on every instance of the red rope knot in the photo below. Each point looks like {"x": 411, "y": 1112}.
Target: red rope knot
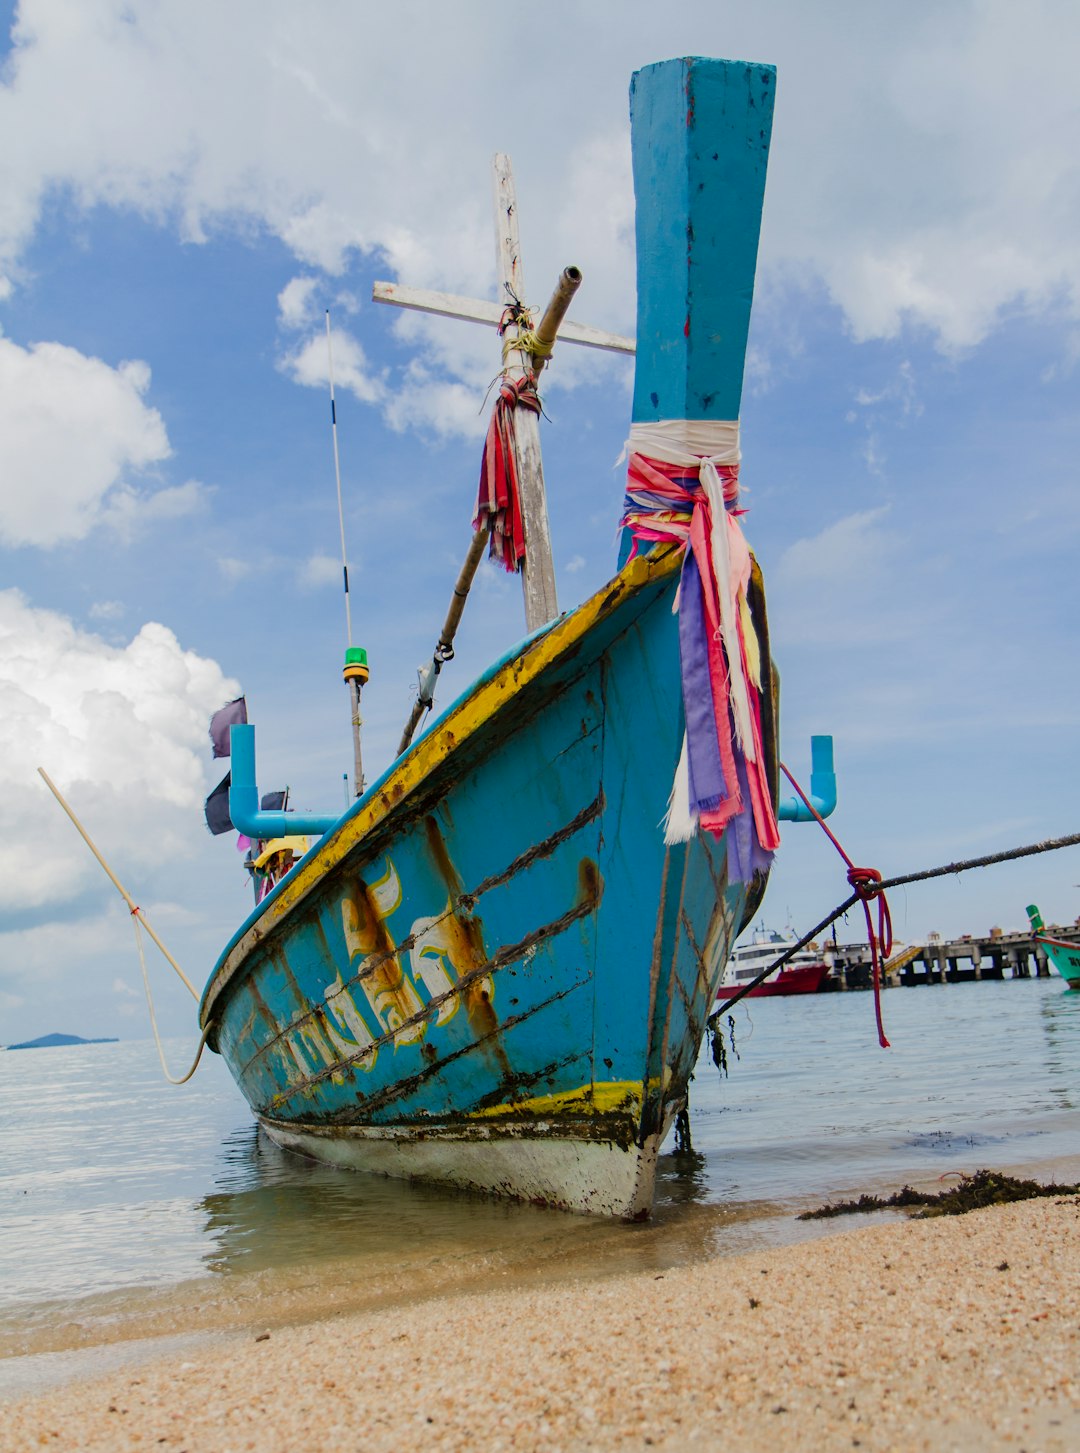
{"x": 136, "y": 911}
{"x": 863, "y": 881}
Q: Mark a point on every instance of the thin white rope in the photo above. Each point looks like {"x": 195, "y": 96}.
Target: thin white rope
{"x": 172, "y": 1079}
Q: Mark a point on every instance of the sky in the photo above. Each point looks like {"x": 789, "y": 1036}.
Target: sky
{"x": 186, "y": 188}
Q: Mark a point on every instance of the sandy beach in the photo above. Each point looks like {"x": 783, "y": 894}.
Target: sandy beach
{"x": 954, "y": 1333}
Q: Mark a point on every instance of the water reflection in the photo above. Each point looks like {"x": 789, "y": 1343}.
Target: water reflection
{"x": 1060, "y": 1018}
{"x": 114, "y": 1181}
{"x": 273, "y": 1208}
{"x": 682, "y": 1178}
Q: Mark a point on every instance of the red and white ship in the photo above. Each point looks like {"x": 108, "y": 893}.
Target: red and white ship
{"x": 804, "y": 973}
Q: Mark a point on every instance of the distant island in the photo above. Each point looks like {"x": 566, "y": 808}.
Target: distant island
{"x": 50, "y": 1041}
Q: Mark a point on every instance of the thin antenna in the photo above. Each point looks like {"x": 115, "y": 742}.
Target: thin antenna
{"x": 337, "y": 476}
{"x": 356, "y": 667}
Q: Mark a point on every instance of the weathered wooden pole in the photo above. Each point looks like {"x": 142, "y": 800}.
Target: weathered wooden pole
{"x": 538, "y": 571}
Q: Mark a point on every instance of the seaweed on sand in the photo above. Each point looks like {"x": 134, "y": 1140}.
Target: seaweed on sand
{"x": 984, "y": 1188}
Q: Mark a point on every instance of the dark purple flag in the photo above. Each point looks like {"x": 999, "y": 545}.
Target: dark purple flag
{"x": 235, "y": 714}
{"x": 274, "y": 801}
{"x": 217, "y": 807}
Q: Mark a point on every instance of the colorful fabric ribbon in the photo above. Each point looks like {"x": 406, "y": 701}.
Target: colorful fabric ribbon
{"x": 498, "y": 502}
{"x": 685, "y": 488}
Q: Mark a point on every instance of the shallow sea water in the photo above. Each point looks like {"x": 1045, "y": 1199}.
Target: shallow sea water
{"x": 130, "y": 1209}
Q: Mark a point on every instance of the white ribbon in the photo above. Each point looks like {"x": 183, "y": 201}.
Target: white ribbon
{"x": 686, "y": 441}
{"x": 703, "y": 444}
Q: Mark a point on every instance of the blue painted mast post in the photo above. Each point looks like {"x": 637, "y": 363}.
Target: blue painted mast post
{"x": 701, "y": 132}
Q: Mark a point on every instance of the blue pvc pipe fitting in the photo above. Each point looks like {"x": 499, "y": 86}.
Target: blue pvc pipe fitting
{"x": 244, "y": 810}
{"x": 822, "y": 785}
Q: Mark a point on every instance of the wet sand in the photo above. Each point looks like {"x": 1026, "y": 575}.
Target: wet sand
{"x": 925, "y": 1335}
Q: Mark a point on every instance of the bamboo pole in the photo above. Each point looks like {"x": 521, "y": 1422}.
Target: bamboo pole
{"x": 124, "y": 894}
{"x": 554, "y": 313}
{"x": 444, "y": 649}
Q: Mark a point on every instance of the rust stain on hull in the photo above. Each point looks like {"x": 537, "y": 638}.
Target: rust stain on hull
{"x": 407, "y": 1086}
{"x": 459, "y": 908}
{"x": 508, "y": 954}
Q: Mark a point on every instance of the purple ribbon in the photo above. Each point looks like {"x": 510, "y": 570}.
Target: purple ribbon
{"x": 707, "y": 786}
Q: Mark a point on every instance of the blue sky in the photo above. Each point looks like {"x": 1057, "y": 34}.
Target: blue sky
{"x": 186, "y": 187}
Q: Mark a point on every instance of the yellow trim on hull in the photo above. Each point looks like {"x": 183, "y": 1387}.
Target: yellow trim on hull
{"x": 600, "y": 1098}
{"x": 432, "y": 750}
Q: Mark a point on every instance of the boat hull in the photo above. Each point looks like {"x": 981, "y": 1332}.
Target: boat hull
{"x": 1065, "y": 957}
{"x": 493, "y": 973}
{"x": 544, "y": 1162}
{"x": 803, "y": 979}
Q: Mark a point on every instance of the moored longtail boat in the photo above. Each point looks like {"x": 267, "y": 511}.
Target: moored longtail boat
{"x": 494, "y": 970}
{"x": 1064, "y": 956}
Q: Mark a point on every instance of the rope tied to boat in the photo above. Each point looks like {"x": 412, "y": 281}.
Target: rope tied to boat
{"x": 923, "y": 875}
{"x": 136, "y": 918}
{"x": 867, "y": 885}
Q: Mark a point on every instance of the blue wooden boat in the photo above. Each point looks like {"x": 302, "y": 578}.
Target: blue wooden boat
{"x": 1064, "y": 956}
{"x": 493, "y": 971}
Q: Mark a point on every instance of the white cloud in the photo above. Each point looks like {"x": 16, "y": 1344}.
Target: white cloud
{"x": 106, "y": 610}
{"x": 423, "y": 400}
{"x": 297, "y": 305}
{"x": 899, "y": 394}
{"x": 127, "y": 510}
{"x": 815, "y": 581}
{"x": 318, "y": 571}
{"x": 123, "y": 733}
{"x": 71, "y": 430}
{"x": 920, "y": 189}
{"x": 929, "y": 192}
{"x": 233, "y": 569}
{"x": 896, "y": 401}
{"x": 308, "y": 363}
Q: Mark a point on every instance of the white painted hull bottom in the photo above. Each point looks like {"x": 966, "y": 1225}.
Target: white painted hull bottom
{"x": 531, "y": 1162}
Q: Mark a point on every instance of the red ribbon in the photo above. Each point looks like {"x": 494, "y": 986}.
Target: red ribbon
{"x": 498, "y": 503}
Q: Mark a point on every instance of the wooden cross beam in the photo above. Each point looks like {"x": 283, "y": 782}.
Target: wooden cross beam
{"x": 477, "y": 310}
{"x": 538, "y": 570}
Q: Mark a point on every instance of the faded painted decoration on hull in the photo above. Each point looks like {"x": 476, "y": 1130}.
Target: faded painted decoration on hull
{"x": 490, "y": 978}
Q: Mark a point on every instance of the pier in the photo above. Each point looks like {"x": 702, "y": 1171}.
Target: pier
{"x": 934, "y": 960}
